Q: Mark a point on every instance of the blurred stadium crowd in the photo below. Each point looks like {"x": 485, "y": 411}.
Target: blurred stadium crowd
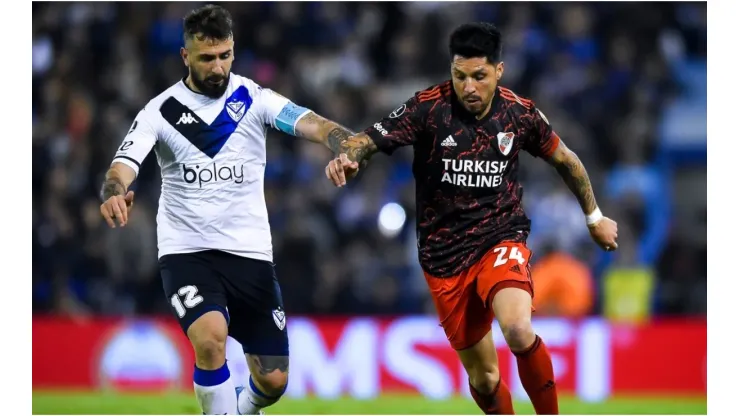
{"x": 623, "y": 84}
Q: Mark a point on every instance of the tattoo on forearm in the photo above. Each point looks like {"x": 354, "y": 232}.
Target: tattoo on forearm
{"x": 575, "y": 176}
{"x": 336, "y": 137}
{"x": 112, "y": 187}
{"x": 309, "y": 119}
{"x": 266, "y": 364}
{"x": 359, "y": 148}
{"x": 321, "y": 130}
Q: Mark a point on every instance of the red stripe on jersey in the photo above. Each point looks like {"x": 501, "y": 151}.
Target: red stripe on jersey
{"x": 511, "y": 96}
{"x": 432, "y": 94}
{"x": 550, "y": 145}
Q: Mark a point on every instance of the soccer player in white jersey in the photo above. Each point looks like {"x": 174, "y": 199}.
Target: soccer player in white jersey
{"x": 215, "y": 251}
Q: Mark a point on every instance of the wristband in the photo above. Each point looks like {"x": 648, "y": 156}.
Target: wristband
{"x": 594, "y": 217}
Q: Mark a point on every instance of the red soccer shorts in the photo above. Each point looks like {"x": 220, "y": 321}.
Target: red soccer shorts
{"x": 463, "y": 301}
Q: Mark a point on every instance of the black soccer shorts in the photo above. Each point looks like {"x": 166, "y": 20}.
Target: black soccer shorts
{"x": 245, "y": 290}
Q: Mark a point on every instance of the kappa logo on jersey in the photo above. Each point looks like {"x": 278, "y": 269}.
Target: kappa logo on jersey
{"x": 187, "y": 118}
{"x": 236, "y": 110}
{"x": 505, "y": 142}
{"x": 398, "y": 111}
{"x": 449, "y": 142}
{"x": 279, "y": 317}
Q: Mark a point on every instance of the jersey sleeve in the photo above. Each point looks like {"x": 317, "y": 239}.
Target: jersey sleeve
{"x": 542, "y": 140}
{"x": 138, "y": 142}
{"x": 402, "y": 127}
{"x": 279, "y": 112}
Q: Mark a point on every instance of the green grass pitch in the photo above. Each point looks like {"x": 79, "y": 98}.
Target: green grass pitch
{"x": 61, "y": 402}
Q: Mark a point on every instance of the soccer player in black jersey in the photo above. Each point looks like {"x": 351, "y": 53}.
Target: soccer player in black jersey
{"x": 467, "y": 134}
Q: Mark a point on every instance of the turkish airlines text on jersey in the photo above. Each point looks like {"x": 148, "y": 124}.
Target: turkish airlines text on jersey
{"x": 365, "y": 357}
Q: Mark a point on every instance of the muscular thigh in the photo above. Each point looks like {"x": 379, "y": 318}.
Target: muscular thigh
{"x": 463, "y": 316}
{"x": 463, "y": 301}
{"x": 192, "y": 286}
{"x": 255, "y": 302}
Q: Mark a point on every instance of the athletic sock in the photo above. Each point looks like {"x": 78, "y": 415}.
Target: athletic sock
{"x": 252, "y": 399}
{"x": 537, "y": 376}
{"x": 214, "y": 391}
{"x": 498, "y": 402}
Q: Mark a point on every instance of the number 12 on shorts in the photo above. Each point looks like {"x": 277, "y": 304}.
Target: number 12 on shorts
{"x": 192, "y": 299}
{"x": 502, "y": 258}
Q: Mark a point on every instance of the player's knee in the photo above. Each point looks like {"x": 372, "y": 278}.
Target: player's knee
{"x": 518, "y": 333}
{"x": 210, "y": 351}
{"x": 485, "y": 379}
{"x": 273, "y": 384}
{"x": 208, "y": 336}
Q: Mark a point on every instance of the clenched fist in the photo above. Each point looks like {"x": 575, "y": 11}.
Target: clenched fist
{"x": 604, "y": 232}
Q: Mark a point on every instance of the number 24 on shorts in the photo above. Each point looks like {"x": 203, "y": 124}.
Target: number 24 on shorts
{"x": 513, "y": 254}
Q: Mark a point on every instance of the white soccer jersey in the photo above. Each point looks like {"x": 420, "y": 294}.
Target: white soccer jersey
{"x": 212, "y": 156}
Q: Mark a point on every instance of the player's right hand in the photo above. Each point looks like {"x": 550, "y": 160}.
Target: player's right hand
{"x": 340, "y": 169}
{"x": 605, "y": 233}
{"x": 117, "y": 207}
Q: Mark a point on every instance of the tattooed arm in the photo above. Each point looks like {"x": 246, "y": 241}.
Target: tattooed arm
{"x": 290, "y": 118}
{"x": 358, "y": 148}
{"x": 603, "y": 229}
{"x": 139, "y": 141}
{"x": 400, "y": 128}
{"x": 338, "y": 139}
{"x": 574, "y": 174}
{"x": 354, "y": 154}
{"x": 117, "y": 180}
{"x": 117, "y": 202}
{"x": 318, "y": 129}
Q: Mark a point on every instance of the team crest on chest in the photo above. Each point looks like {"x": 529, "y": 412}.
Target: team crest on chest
{"x": 505, "y": 142}
{"x": 236, "y": 109}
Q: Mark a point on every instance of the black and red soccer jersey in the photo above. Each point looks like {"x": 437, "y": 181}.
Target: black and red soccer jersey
{"x": 468, "y": 196}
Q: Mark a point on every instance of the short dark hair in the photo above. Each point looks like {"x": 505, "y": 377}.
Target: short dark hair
{"x": 473, "y": 40}
{"x": 209, "y": 21}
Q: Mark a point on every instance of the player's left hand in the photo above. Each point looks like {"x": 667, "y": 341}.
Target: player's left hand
{"x": 604, "y": 233}
{"x": 340, "y": 169}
